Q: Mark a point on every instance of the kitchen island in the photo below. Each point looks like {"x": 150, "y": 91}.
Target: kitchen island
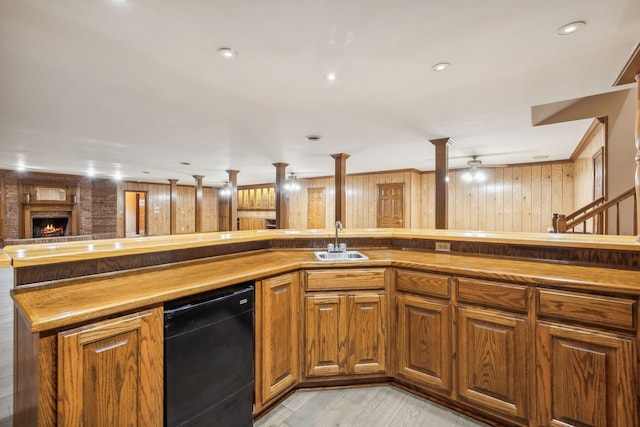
{"x": 516, "y": 329}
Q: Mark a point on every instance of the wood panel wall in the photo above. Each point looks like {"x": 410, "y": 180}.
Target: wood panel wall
{"x": 362, "y": 192}
{"x": 594, "y": 140}
{"x": 520, "y": 198}
{"x": 158, "y": 208}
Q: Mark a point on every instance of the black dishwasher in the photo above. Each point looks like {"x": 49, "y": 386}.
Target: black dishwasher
{"x": 208, "y": 369}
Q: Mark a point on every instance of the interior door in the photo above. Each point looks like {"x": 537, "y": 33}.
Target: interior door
{"x": 135, "y": 213}
{"x": 390, "y": 206}
{"x": 316, "y": 208}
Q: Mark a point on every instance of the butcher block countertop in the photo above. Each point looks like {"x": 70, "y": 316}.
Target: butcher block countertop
{"x": 5, "y": 260}
{"x": 42, "y": 254}
{"x": 63, "y": 303}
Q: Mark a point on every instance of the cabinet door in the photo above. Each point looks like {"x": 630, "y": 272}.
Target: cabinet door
{"x": 493, "y": 350}
{"x": 277, "y": 320}
{"x": 585, "y": 378}
{"x": 325, "y": 335}
{"x": 366, "y": 334}
{"x": 424, "y": 341}
{"x": 110, "y": 373}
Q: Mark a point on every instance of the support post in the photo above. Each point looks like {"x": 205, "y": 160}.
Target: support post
{"x": 637, "y": 181}
{"x": 282, "y": 220}
{"x": 442, "y": 173}
{"x": 198, "y": 203}
{"x": 233, "y": 200}
{"x": 341, "y": 186}
{"x": 173, "y": 206}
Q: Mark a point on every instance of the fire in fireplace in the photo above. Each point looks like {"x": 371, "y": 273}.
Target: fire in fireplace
{"x": 49, "y": 227}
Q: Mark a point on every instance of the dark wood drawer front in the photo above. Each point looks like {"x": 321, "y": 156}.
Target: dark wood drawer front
{"x": 422, "y": 283}
{"x": 494, "y": 294}
{"x": 346, "y": 279}
{"x": 595, "y": 309}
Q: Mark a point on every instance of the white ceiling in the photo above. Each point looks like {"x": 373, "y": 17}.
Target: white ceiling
{"x": 137, "y": 85}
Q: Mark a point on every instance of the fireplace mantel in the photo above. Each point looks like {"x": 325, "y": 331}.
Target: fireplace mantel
{"x": 48, "y": 200}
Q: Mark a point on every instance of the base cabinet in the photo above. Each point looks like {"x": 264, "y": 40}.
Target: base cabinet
{"x": 492, "y": 369}
{"x": 277, "y": 337}
{"x": 110, "y": 372}
{"x": 345, "y": 334}
{"x": 586, "y": 378}
{"x": 424, "y": 342}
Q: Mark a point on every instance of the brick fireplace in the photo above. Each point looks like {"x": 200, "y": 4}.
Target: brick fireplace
{"x": 48, "y": 211}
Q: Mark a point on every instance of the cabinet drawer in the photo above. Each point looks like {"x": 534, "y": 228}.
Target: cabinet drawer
{"x": 595, "y": 309}
{"x": 422, "y": 283}
{"x": 494, "y": 294}
{"x": 346, "y": 279}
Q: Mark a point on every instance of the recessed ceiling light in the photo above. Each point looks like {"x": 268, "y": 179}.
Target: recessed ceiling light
{"x": 331, "y": 76}
{"x": 185, "y": 163}
{"x": 571, "y": 28}
{"x": 227, "y": 53}
{"x": 540, "y": 157}
{"x": 146, "y": 172}
{"x": 313, "y": 137}
{"x": 440, "y": 66}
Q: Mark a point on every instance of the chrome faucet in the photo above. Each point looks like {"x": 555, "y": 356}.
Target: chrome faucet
{"x": 338, "y": 227}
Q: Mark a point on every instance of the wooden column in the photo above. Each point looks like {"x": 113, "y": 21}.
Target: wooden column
{"x": 442, "y": 172}
{"x": 637, "y": 182}
{"x": 173, "y": 206}
{"x": 233, "y": 200}
{"x": 282, "y": 221}
{"x": 341, "y": 187}
{"x": 198, "y": 202}
{"x": 629, "y": 74}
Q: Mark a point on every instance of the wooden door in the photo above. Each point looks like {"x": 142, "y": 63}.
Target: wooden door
{"x": 493, "y": 349}
{"x": 585, "y": 378}
{"x": 366, "y": 336}
{"x": 424, "y": 341}
{"x": 390, "y": 206}
{"x": 277, "y": 335}
{"x": 325, "y": 335}
{"x": 316, "y": 208}
{"x": 135, "y": 213}
{"x": 110, "y": 373}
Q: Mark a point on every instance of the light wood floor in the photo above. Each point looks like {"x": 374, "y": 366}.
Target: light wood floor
{"x": 379, "y": 406}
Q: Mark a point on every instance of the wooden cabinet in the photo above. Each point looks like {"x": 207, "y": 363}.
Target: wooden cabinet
{"x": 586, "y": 376}
{"x": 345, "y": 331}
{"x": 424, "y": 341}
{"x": 492, "y": 369}
{"x": 277, "y": 337}
{"x": 110, "y": 372}
{"x": 494, "y": 347}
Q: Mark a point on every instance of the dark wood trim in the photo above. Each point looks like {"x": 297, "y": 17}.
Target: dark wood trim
{"x": 198, "y": 219}
{"x": 281, "y": 207}
{"x": 233, "y": 199}
{"x": 586, "y": 138}
{"x": 442, "y": 173}
{"x": 173, "y": 206}
{"x": 341, "y": 187}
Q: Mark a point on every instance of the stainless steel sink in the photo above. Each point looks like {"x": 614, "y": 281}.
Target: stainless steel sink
{"x": 340, "y": 256}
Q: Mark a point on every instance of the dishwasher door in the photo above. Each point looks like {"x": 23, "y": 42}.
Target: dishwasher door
{"x": 209, "y": 360}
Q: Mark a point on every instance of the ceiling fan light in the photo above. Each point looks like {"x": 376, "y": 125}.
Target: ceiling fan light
{"x": 479, "y": 176}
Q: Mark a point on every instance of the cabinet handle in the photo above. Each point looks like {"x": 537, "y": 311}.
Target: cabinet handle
{"x": 326, "y": 308}
{"x": 110, "y": 347}
{"x": 366, "y": 308}
{"x": 281, "y": 290}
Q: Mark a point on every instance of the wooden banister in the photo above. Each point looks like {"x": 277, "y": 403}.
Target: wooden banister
{"x": 596, "y": 210}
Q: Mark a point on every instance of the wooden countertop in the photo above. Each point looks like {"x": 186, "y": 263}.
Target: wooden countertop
{"x": 42, "y": 254}
{"x": 73, "y": 301}
{"x": 5, "y": 260}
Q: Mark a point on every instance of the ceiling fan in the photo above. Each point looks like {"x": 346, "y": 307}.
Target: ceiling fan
{"x": 474, "y": 163}
{"x": 474, "y": 174}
